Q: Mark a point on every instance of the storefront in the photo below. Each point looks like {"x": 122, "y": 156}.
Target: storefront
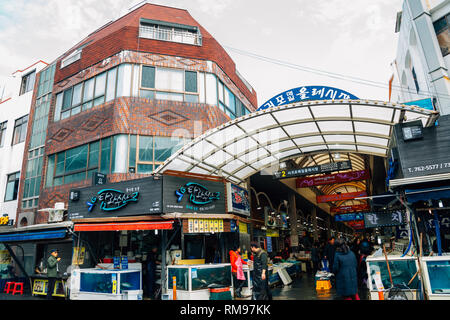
{"x": 24, "y": 252}
{"x": 115, "y": 228}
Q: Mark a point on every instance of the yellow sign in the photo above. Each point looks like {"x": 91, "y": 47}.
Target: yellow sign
{"x": 243, "y": 227}
{"x": 205, "y": 225}
{"x": 272, "y": 233}
{"x": 4, "y": 220}
{"x": 78, "y": 255}
{"x": 5, "y": 258}
{"x": 40, "y": 286}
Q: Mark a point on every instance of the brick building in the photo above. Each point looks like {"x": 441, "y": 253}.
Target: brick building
{"x": 122, "y": 100}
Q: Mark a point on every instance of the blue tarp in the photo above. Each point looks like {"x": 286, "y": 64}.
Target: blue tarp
{"x": 38, "y": 235}
{"x": 437, "y": 193}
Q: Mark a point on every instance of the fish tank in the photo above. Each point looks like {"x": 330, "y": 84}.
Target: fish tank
{"x": 402, "y": 269}
{"x": 194, "y": 281}
{"x": 104, "y": 284}
{"x": 437, "y": 277}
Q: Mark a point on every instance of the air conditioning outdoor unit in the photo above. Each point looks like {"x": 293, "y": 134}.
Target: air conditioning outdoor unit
{"x": 56, "y": 214}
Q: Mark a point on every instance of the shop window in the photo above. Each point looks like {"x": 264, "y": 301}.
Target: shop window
{"x": 20, "y": 130}
{"x": 27, "y": 83}
{"x": 2, "y": 132}
{"x": 12, "y": 186}
{"x": 442, "y": 28}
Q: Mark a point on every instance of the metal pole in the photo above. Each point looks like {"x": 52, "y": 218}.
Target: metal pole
{"x": 163, "y": 260}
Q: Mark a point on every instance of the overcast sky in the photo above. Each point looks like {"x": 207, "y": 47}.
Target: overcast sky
{"x": 347, "y": 37}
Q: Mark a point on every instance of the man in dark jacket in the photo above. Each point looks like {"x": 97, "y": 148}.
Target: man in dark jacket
{"x": 152, "y": 261}
{"x": 345, "y": 270}
{"x": 52, "y": 272}
{"x": 261, "y": 290}
{"x": 329, "y": 252}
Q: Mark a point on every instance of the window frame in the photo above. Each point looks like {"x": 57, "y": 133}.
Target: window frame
{"x": 24, "y": 87}
{"x": 3, "y": 127}
{"x": 155, "y": 90}
{"x": 16, "y": 183}
{"x": 21, "y": 125}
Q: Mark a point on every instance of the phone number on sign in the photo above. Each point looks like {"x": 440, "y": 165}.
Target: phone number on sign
{"x": 429, "y": 167}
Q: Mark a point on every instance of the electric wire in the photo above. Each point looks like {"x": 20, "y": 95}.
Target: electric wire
{"x": 335, "y": 75}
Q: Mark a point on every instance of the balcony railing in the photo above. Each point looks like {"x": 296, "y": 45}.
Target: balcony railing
{"x": 170, "y": 35}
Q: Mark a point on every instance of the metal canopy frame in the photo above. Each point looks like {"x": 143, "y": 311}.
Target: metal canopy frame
{"x": 249, "y": 144}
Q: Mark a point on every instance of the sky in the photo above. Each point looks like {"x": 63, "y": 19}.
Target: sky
{"x": 352, "y": 39}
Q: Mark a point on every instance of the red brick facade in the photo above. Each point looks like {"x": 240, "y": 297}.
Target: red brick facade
{"x": 119, "y": 41}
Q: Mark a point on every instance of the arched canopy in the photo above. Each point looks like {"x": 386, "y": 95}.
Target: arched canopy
{"x": 249, "y": 144}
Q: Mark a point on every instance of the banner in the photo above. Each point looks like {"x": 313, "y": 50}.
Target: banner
{"x": 349, "y": 217}
{"x": 341, "y": 196}
{"x": 308, "y": 171}
{"x": 332, "y": 178}
{"x": 384, "y": 219}
{"x": 357, "y": 224}
{"x": 347, "y": 209}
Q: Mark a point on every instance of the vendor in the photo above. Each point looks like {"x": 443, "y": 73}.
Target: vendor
{"x": 152, "y": 262}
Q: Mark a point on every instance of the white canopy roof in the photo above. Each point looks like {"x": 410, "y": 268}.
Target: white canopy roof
{"x": 249, "y": 144}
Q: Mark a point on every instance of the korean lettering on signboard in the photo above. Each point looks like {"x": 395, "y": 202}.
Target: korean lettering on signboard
{"x": 383, "y": 219}
{"x": 191, "y": 195}
{"x": 323, "y": 168}
{"x": 133, "y": 197}
{"x": 307, "y": 93}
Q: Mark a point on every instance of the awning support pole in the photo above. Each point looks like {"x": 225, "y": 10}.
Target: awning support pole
{"x": 438, "y": 233}
{"x": 11, "y": 253}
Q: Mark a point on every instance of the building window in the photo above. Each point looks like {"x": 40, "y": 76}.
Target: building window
{"x": 228, "y": 102}
{"x": 27, "y": 82}
{"x": 166, "y": 31}
{"x": 20, "y": 130}
{"x": 2, "y": 132}
{"x": 169, "y": 84}
{"x": 12, "y": 186}
{"x": 86, "y": 95}
{"x": 117, "y": 154}
{"x": 71, "y": 58}
{"x": 442, "y": 28}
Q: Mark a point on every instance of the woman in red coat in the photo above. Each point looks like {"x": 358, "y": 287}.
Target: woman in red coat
{"x": 237, "y": 270}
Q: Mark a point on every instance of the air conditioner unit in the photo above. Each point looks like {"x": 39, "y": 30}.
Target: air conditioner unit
{"x": 56, "y": 214}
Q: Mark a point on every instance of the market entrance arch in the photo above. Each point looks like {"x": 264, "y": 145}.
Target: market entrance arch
{"x": 303, "y": 132}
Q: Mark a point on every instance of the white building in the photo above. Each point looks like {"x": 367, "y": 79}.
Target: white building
{"x": 15, "y": 103}
{"x": 421, "y": 67}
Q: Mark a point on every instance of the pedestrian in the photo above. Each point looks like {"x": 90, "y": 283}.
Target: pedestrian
{"x": 237, "y": 270}
{"x": 315, "y": 257}
{"x": 355, "y": 247}
{"x": 345, "y": 270}
{"x": 52, "y": 272}
{"x": 152, "y": 261}
{"x": 261, "y": 290}
{"x": 329, "y": 252}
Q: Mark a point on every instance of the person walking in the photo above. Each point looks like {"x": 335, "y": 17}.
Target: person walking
{"x": 345, "y": 270}
{"x": 237, "y": 270}
{"x": 261, "y": 290}
{"x": 315, "y": 257}
{"x": 329, "y": 252}
{"x": 52, "y": 272}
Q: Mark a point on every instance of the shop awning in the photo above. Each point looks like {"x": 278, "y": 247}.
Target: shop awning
{"x": 427, "y": 194}
{"x": 39, "y": 235}
{"x": 157, "y": 225}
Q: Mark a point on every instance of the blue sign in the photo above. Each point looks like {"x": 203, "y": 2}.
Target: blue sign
{"x": 116, "y": 261}
{"x": 423, "y": 103}
{"x": 307, "y": 93}
{"x": 269, "y": 244}
{"x": 124, "y": 263}
{"x": 111, "y": 199}
{"x": 349, "y": 217}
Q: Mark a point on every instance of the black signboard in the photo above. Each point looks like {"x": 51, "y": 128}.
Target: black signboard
{"x": 190, "y": 195}
{"x": 323, "y": 168}
{"x": 127, "y": 198}
{"x": 429, "y": 155}
{"x": 384, "y": 219}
